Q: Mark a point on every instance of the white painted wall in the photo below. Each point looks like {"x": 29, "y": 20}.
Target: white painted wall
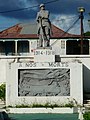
{"x": 89, "y": 47}
{"x": 59, "y": 46}
{"x": 2, "y": 71}
{"x": 85, "y": 60}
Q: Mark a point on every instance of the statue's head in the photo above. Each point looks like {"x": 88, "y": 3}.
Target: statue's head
{"x": 42, "y": 6}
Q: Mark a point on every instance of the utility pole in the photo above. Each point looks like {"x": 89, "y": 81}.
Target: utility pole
{"x": 89, "y": 20}
{"x": 81, "y": 10}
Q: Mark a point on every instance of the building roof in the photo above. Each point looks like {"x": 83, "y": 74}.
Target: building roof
{"x": 29, "y": 30}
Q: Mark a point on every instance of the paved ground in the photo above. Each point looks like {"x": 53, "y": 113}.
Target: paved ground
{"x": 44, "y": 116}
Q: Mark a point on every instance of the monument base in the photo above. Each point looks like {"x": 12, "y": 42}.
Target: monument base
{"x": 44, "y": 82}
{"x": 44, "y": 55}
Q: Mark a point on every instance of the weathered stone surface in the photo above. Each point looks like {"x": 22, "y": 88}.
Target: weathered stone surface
{"x": 44, "y": 82}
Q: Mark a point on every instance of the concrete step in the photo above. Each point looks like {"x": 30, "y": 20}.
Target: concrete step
{"x": 87, "y": 101}
{"x": 87, "y": 104}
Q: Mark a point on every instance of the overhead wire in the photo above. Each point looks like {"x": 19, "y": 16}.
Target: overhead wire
{"x": 37, "y": 6}
{"x": 66, "y": 30}
{"x": 32, "y": 23}
{"x": 52, "y": 1}
{"x": 25, "y": 8}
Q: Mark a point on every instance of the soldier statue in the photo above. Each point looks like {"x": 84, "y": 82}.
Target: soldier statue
{"x": 44, "y": 26}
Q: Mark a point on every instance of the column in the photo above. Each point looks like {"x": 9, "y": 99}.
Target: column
{"x": 29, "y": 46}
{"x": 89, "y": 47}
{"x": 16, "y": 47}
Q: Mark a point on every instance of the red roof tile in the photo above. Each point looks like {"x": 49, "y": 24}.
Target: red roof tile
{"x": 15, "y": 32}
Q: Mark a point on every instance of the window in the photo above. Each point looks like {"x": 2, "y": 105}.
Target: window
{"x": 9, "y": 47}
{"x": 73, "y": 47}
{"x": 23, "y": 46}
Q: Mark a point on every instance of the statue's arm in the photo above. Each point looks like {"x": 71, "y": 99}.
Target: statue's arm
{"x": 37, "y": 18}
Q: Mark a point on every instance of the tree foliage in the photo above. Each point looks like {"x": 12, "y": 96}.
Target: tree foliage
{"x": 2, "y": 92}
{"x": 87, "y": 33}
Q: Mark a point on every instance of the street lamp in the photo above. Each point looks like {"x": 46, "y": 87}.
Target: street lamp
{"x": 81, "y": 10}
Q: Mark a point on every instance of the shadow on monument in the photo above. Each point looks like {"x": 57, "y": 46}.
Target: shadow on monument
{"x": 86, "y": 82}
{"x": 57, "y": 58}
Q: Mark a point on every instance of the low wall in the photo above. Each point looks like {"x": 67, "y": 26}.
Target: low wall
{"x": 80, "y": 59}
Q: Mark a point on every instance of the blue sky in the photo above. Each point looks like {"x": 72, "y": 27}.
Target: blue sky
{"x": 63, "y": 13}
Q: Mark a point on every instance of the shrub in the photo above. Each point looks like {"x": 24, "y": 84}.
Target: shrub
{"x": 69, "y": 105}
{"x": 22, "y": 106}
{"x": 86, "y": 116}
{"x": 2, "y": 92}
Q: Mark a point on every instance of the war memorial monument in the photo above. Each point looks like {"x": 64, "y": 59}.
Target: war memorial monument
{"x": 45, "y": 80}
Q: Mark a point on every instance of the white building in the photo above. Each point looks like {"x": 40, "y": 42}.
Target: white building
{"x": 23, "y": 38}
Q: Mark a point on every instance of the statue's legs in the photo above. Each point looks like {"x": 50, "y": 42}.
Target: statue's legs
{"x": 41, "y": 37}
{"x": 40, "y": 41}
{"x": 47, "y": 36}
{"x": 48, "y": 41}
{"x": 44, "y": 37}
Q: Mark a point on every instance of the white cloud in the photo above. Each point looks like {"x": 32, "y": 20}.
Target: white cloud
{"x": 66, "y": 21}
